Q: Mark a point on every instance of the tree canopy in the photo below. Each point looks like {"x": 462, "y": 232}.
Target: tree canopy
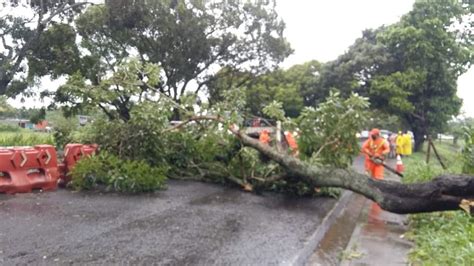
{"x": 189, "y": 41}
{"x": 410, "y": 68}
{"x": 6, "y": 109}
{"x": 295, "y": 87}
{"x": 21, "y": 34}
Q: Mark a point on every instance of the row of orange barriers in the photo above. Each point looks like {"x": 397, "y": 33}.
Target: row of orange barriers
{"x": 23, "y": 169}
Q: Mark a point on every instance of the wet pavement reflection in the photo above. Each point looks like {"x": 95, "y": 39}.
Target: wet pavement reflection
{"x": 364, "y": 234}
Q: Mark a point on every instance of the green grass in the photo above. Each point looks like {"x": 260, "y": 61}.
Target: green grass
{"x": 5, "y": 127}
{"x": 25, "y": 138}
{"x": 442, "y": 238}
{"x": 417, "y": 170}
{"x": 445, "y": 238}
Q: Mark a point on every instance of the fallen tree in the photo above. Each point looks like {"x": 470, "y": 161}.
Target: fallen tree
{"x": 443, "y": 193}
{"x": 446, "y": 192}
{"x": 200, "y": 148}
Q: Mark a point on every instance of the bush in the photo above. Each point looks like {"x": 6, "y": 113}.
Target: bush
{"x": 106, "y": 171}
{"x": 139, "y": 138}
{"x": 62, "y": 130}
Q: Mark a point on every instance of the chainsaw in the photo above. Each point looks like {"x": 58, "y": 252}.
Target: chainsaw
{"x": 379, "y": 161}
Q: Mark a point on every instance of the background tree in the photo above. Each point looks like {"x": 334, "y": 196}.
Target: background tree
{"x": 457, "y": 128}
{"x": 294, "y": 88}
{"x": 190, "y": 41}
{"x": 431, "y": 50}
{"x": 20, "y": 35}
{"x": 354, "y": 70}
{"x": 6, "y": 110}
{"x": 115, "y": 95}
{"x": 410, "y": 69}
{"x": 383, "y": 120}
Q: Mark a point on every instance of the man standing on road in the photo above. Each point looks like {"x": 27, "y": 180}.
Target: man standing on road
{"x": 399, "y": 143}
{"x": 375, "y": 148}
{"x": 407, "y": 147}
{"x": 392, "y": 139}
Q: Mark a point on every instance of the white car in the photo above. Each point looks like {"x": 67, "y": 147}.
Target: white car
{"x": 385, "y": 133}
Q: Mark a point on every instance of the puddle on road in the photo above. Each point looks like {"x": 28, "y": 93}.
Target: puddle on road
{"x": 222, "y": 197}
{"x": 375, "y": 224}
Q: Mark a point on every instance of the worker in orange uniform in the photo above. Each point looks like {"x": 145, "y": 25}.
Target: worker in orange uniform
{"x": 264, "y": 137}
{"x": 375, "y": 148}
{"x": 290, "y": 139}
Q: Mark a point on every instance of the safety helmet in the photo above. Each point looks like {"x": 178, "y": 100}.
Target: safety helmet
{"x": 375, "y": 132}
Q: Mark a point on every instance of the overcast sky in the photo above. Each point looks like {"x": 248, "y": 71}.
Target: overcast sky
{"x": 324, "y": 29}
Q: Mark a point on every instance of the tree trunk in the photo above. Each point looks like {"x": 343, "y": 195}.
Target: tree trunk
{"x": 419, "y": 136}
{"x": 442, "y": 193}
{"x": 176, "y": 116}
{"x": 4, "y": 81}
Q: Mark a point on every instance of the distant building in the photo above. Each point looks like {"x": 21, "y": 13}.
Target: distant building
{"x": 41, "y": 126}
{"x": 26, "y": 124}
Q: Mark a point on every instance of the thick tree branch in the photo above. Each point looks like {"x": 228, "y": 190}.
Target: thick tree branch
{"x": 61, "y": 10}
{"x": 106, "y": 111}
{"x": 442, "y": 193}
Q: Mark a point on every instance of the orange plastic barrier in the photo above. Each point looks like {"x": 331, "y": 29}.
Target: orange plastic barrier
{"x": 73, "y": 152}
{"x": 23, "y": 169}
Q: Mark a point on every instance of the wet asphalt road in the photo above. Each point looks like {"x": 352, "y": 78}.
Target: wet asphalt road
{"x": 187, "y": 224}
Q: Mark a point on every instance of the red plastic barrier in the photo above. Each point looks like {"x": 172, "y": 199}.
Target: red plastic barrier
{"x": 73, "y": 152}
{"x": 26, "y": 168}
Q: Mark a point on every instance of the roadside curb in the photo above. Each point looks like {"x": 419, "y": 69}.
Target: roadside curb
{"x": 312, "y": 242}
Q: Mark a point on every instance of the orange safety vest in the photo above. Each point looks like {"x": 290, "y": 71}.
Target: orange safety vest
{"x": 376, "y": 148}
{"x": 264, "y": 137}
{"x": 291, "y": 141}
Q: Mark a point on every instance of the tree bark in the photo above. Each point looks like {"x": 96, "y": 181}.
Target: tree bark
{"x": 441, "y": 194}
{"x": 419, "y": 136}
